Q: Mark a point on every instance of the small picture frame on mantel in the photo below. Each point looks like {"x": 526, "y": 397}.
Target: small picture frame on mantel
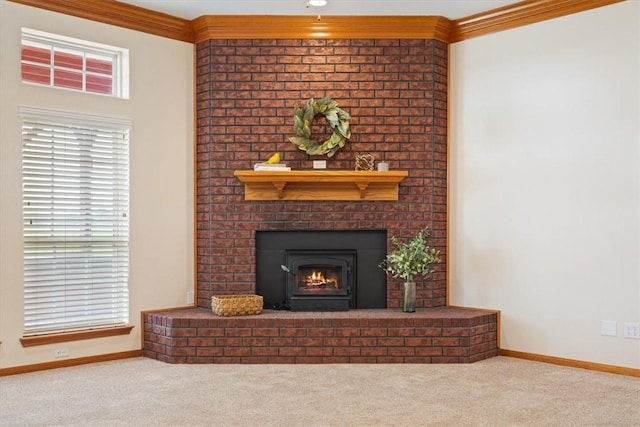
{"x": 364, "y": 162}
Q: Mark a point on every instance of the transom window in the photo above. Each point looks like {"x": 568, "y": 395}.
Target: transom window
{"x": 64, "y": 62}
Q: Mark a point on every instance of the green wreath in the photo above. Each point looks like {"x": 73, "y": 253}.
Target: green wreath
{"x": 338, "y": 120}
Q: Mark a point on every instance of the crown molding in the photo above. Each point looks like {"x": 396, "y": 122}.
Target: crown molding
{"x": 120, "y": 14}
{"x": 325, "y": 27}
{"x": 310, "y": 27}
{"x": 517, "y": 15}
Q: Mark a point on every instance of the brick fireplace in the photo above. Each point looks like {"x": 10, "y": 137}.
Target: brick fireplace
{"x": 396, "y": 93}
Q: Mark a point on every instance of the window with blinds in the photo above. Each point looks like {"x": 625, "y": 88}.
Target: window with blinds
{"x": 75, "y": 221}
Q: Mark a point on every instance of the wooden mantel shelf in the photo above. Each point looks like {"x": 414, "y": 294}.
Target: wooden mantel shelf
{"x": 320, "y": 184}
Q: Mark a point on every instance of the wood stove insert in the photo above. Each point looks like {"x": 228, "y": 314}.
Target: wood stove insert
{"x": 320, "y": 280}
{"x": 356, "y": 252}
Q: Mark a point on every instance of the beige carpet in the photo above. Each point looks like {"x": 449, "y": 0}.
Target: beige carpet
{"x": 500, "y": 391}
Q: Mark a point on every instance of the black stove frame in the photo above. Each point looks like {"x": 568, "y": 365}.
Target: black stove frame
{"x": 340, "y": 298}
{"x": 369, "y": 286}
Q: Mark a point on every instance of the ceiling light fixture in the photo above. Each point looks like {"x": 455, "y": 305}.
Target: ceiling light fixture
{"x": 316, "y": 3}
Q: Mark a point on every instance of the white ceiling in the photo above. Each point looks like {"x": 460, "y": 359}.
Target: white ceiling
{"x": 191, "y": 9}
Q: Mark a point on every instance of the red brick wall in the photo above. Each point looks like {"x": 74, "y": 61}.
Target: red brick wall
{"x": 446, "y": 335}
{"x": 395, "y": 91}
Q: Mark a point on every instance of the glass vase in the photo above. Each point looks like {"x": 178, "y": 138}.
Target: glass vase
{"x": 409, "y": 302}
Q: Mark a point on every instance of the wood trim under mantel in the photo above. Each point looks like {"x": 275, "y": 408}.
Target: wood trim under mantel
{"x": 120, "y": 14}
{"x": 321, "y": 185}
{"x": 326, "y": 27}
{"x": 518, "y": 15}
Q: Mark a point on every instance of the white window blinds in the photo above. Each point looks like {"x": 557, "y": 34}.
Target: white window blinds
{"x": 75, "y": 221}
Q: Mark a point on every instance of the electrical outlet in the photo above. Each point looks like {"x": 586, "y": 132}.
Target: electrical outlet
{"x": 189, "y": 297}
{"x": 609, "y": 328}
{"x": 62, "y": 352}
{"x": 632, "y": 330}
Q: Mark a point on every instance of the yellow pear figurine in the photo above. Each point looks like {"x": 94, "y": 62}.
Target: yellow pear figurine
{"x": 274, "y": 159}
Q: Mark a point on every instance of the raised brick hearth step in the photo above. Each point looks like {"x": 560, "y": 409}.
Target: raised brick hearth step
{"x": 431, "y": 335}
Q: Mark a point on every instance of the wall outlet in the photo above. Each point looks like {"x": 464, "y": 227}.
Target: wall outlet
{"x": 609, "y": 328}
{"x": 189, "y": 297}
{"x": 632, "y": 330}
{"x": 62, "y": 352}
{"x": 319, "y": 164}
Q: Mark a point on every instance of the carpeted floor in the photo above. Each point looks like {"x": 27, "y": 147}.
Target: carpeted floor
{"x": 501, "y": 391}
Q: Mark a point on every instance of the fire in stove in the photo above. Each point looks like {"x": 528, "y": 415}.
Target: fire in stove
{"x": 319, "y": 280}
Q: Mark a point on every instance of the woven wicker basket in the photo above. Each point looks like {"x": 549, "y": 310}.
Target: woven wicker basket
{"x": 236, "y": 305}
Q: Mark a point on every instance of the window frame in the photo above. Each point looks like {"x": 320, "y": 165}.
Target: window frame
{"x": 84, "y": 122}
{"x": 59, "y": 43}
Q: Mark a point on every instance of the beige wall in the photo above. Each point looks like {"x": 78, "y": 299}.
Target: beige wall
{"x": 545, "y": 182}
{"x": 161, "y": 108}
{"x": 545, "y": 178}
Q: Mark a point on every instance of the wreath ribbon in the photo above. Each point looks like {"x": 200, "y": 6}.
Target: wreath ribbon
{"x": 338, "y": 120}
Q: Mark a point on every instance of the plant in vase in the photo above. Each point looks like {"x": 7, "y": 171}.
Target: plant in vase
{"x": 410, "y": 259}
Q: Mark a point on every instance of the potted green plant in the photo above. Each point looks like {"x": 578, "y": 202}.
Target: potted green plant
{"x": 410, "y": 259}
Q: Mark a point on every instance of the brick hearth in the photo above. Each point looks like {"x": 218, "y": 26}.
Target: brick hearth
{"x": 435, "y": 335}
